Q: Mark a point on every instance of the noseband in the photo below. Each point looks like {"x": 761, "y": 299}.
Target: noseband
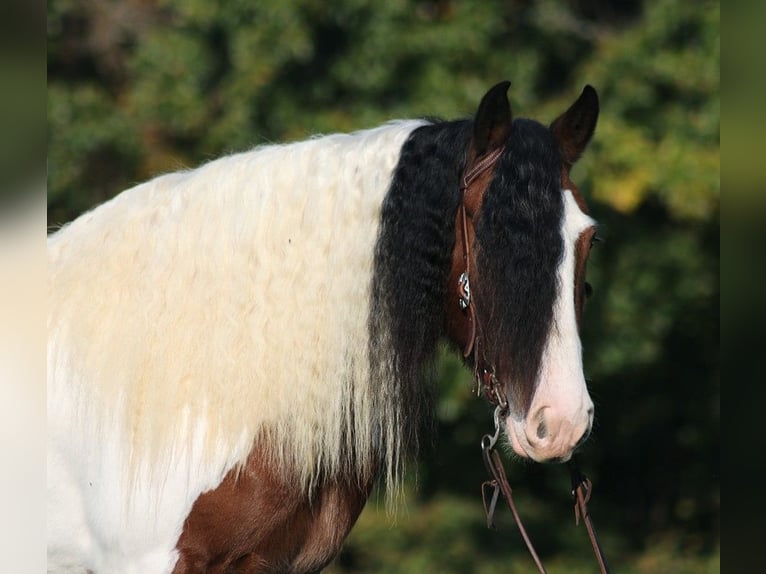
{"x": 470, "y": 334}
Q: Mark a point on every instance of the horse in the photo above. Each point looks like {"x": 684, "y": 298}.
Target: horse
{"x": 236, "y": 353}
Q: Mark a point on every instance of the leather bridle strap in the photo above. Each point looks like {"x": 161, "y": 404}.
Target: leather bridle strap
{"x": 581, "y": 491}
{"x": 464, "y": 282}
{"x": 484, "y": 373}
{"x": 499, "y": 483}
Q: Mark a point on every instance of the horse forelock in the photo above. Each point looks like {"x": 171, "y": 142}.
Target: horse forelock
{"x": 519, "y": 248}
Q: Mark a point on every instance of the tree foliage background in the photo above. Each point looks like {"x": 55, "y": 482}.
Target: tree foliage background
{"x": 140, "y": 87}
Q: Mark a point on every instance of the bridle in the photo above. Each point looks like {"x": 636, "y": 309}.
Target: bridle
{"x": 486, "y": 381}
{"x": 484, "y": 372}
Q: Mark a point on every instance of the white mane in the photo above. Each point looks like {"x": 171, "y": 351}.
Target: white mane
{"x": 211, "y": 306}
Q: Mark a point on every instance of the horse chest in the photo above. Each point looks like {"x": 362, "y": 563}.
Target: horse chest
{"x": 259, "y": 522}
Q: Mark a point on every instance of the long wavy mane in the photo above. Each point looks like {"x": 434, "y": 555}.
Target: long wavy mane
{"x": 233, "y": 304}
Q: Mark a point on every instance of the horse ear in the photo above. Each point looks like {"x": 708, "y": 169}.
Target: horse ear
{"x": 574, "y": 128}
{"x": 492, "y": 125}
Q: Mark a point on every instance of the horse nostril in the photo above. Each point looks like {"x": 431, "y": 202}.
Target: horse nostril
{"x": 542, "y": 430}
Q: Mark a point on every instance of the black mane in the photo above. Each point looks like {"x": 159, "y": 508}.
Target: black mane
{"x": 412, "y": 263}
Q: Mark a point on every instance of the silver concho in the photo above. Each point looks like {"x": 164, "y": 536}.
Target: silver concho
{"x": 465, "y": 290}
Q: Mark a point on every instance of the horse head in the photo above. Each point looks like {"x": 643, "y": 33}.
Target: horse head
{"x": 517, "y": 281}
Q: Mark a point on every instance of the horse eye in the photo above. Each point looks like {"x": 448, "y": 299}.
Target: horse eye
{"x": 588, "y": 290}
{"x": 595, "y": 239}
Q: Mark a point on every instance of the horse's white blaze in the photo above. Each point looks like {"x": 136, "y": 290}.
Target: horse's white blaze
{"x": 561, "y": 401}
{"x": 247, "y": 309}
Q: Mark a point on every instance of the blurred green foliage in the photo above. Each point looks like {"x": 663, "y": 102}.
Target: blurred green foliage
{"x": 141, "y": 87}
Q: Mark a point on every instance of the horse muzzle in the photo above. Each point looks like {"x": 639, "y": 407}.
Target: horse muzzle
{"x": 548, "y": 434}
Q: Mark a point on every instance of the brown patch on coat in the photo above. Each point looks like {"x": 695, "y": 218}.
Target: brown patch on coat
{"x": 582, "y": 250}
{"x": 259, "y": 521}
{"x": 582, "y": 245}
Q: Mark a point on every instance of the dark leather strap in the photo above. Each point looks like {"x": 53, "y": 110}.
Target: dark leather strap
{"x": 464, "y": 284}
{"x": 581, "y": 491}
{"x": 500, "y": 483}
{"x": 484, "y": 372}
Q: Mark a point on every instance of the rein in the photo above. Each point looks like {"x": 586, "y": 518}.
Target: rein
{"x": 498, "y": 484}
{"x": 486, "y": 381}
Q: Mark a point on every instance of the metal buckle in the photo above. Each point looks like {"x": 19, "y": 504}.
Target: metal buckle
{"x": 488, "y": 441}
{"x": 495, "y": 394}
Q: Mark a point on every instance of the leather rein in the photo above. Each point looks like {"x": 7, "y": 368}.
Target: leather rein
{"x": 486, "y": 381}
